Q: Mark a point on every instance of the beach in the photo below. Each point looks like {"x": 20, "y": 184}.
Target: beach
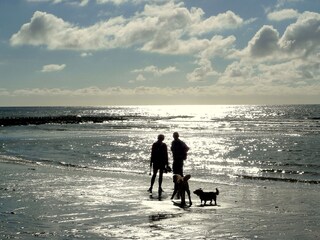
{"x": 68, "y": 203}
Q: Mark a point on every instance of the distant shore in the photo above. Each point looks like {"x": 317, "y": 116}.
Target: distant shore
{"x": 13, "y": 121}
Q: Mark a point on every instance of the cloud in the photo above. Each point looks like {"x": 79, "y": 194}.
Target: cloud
{"x": 170, "y": 29}
{"x": 156, "y": 71}
{"x": 53, "y": 68}
{"x": 4, "y": 92}
{"x": 80, "y": 3}
{"x": 202, "y": 72}
{"x": 44, "y": 29}
{"x": 264, "y": 43}
{"x": 280, "y": 63}
{"x": 116, "y": 2}
{"x": 119, "y": 2}
{"x": 140, "y": 78}
{"x": 302, "y": 37}
{"x": 166, "y": 29}
{"x": 86, "y": 54}
{"x": 217, "y": 46}
{"x": 281, "y": 3}
{"x": 289, "y": 75}
{"x": 258, "y": 93}
{"x": 283, "y": 14}
{"x": 227, "y": 20}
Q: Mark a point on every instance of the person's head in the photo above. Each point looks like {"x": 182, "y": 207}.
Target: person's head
{"x": 160, "y": 137}
{"x": 175, "y": 135}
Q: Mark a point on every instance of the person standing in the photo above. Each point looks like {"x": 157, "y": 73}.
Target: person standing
{"x": 158, "y": 161}
{"x": 179, "y": 151}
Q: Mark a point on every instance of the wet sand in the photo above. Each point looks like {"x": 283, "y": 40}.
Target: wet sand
{"x": 67, "y": 203}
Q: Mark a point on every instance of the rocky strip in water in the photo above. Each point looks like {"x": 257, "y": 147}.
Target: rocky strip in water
{"x": 14, "y": 121}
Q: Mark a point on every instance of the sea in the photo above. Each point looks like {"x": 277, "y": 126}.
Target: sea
{"x": 274, "y": 143}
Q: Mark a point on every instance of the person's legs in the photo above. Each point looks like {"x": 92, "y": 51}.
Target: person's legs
{"x": 153, "y": 178}
{"x": 177, "y": 167}
{"x": 160, "y": 179}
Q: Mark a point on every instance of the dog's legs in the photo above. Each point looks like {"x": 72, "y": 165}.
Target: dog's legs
{"x": 183, "y": 198}
{"x": 178, "y": 192}
{"x": 188, "y": 192}
{"x": 174, "y": 192}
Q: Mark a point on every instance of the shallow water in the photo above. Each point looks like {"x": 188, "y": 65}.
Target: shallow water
{"x": 277, "y": 143}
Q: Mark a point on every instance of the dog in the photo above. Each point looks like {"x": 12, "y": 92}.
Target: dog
{"x": 207, "y": 196}
{"x": 181, "y": 186}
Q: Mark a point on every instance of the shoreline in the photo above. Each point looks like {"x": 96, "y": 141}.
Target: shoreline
{"x": 66, "y": 203}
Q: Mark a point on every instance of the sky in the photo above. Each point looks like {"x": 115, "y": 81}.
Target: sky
{"x": 131, "y": 52}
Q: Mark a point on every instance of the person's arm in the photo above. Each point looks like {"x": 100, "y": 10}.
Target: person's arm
{"x": 186, "y": 148}
{"x": 152, "y": 156}
{"x": 166, "y": 155}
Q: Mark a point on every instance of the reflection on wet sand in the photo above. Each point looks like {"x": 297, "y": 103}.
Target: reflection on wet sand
{"x": 162, "y": 216}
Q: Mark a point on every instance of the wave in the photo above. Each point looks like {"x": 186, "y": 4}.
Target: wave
{"x": 292, "y": 180}
{"x": 17, "y": 160}
{"x": 292, "y": 172}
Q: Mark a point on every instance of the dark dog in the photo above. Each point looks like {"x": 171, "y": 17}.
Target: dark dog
{"x": 181, "y": 186}
{"x": 207, "y": 196}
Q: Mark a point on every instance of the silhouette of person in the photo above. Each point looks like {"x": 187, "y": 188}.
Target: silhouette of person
{"x": 159, "y": 161}
{"x": 179, "y": 151}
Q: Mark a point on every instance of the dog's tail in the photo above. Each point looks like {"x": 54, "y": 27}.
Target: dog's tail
{"x": 217, "y": 191}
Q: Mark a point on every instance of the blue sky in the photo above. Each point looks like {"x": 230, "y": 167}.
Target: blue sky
{"x": 108, "y": 52}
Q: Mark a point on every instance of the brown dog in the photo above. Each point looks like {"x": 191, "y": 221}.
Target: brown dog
{"x": 181, "y": 186}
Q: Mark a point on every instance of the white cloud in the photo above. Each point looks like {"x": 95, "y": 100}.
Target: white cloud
{"x": 4, "y": 92}
{"x": 277, "y": 63}
{"x": 281, "y": 3}
{"x": 156, "y": 71}
{"x": 264, "y": 43}
{"x": 217, "y": 46}
{"x": 119, "y": 2}
{"x": 86, "y": 54}
{"x": 169, "y": 28}
{"x": 207, "y": 94}
{"x": 238, "y": 73}
{"x": 222, "y": 21}
{"x": 81, "y": 3}
{"x": 158, "y": 28}
{"x": 302, "y": 37}
{"x": 44, "y": 29}
{"x": 140, "y": 78}
{"x": 202, "y": 72}
{"x": 174, "y": 29}
{"x": 283, "y": 14}
{"x": 116, "y": 2}
{"x": 53, "y": 68}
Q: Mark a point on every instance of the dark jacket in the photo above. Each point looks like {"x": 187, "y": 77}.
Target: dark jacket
{"x": 159, "y": 155}
{"x": 179, "y": 150}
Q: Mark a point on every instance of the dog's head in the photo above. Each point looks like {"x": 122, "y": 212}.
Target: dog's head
{"x": 198, "y": 192}
{"x": 179, "y": 179}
